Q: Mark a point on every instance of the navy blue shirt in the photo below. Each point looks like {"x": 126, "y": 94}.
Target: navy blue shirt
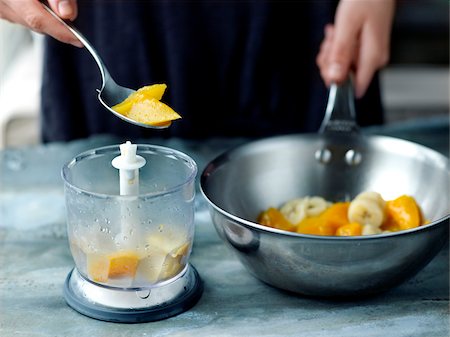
{"x": 233, "y": 68}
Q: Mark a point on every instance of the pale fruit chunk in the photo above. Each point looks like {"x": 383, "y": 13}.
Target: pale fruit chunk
{"x": 171, "y": 267}
{"x": 166, "y": 257}
{"x": 174, "y": 262}
{"x": 168, "y": 243}
{"x": 98, "y": 267}
{"x": 366, "y": 212}
{"x": 150, "y": 267}
{"x": 180, "y": 250}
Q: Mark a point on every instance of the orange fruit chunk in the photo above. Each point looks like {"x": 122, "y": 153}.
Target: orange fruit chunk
{"x": 144, "y": 106}
{"x": 327, "y": 222}
{"x": 390, "y": 225}
{"x": 316, "y": 226}
{"x": 336, "y": 214}
{"x": 101, "y": 267}
{"x": 122, "y": 264}
{"x": 155, "y": 91}
{"x": 402, "y": 213}
{"x": 272, "y": 217}
{"x": 350, "y": 229}
{"x": 152, "y": 112}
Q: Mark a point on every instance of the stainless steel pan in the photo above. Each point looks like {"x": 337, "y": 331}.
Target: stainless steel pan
{"x": 337, "y": 164}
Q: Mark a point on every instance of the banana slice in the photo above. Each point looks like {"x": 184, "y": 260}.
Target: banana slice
{"x": 375, "y": 196}
{"x": 365, "y": 212}
{"x": 314, "y": 205}
{"x": 298, "y": 209}
{"x": 294, "y": 210}
{"x": 370, "y": 230}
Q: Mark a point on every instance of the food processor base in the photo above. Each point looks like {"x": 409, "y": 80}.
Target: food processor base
{"x": 133, "y": 305}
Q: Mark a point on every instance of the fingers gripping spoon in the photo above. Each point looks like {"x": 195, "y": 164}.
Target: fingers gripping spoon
{"x": 110, "y": 92}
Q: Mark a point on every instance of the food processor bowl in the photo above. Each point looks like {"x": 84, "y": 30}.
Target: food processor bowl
{"x": 131, "y": 251}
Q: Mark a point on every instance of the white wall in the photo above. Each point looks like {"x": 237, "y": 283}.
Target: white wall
{"x": 21, "y": 54}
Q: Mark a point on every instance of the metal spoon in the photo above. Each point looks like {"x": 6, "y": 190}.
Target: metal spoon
{"x": 110, "y": 93}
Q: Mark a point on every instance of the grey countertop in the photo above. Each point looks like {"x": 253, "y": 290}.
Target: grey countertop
{"x": 35, "y": 260}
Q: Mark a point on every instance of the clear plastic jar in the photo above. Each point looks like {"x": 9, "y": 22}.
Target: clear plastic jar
{"x": 130, "y": 241}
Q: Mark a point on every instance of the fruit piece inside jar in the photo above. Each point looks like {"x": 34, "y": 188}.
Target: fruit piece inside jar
{"x": 156, "y": 258}
{"x": 145, "y": 106}
{"x": 367, "y": 214}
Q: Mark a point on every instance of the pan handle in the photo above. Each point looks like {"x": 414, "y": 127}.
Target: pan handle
{"x": 340, "y": 112}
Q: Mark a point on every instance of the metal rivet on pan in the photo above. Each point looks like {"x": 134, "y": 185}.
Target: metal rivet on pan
{"x": 323, "y": 156}
{"x": 353, "y": 157}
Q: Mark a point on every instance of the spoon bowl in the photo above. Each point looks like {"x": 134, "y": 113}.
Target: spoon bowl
{"x": 110, "y": 92}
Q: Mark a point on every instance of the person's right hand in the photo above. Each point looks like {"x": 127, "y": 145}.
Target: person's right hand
{"x": 358, "y": 41}
{"x": 31, "y": 14}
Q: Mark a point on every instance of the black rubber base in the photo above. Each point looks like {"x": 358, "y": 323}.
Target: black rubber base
{"x": 180, "y": 304}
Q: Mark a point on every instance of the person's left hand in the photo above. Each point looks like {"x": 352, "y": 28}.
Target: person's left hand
{"x": 359, "y": 40}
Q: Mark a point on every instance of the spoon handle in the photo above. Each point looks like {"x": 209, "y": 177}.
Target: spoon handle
{"x": 105, "y": 74}
{"x": 340, "y": 112}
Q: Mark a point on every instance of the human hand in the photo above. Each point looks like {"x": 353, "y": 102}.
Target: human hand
{"x": 31, "y": 14}
{"x": 359, "y": 40}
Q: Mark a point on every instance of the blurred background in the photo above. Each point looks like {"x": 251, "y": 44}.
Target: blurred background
{"x": 415, "y": 84}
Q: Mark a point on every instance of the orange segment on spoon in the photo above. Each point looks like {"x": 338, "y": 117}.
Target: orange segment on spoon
{"x": 144, "y": 106}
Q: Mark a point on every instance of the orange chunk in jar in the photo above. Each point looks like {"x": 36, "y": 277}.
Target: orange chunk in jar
{"x": 101, "y": 267}
{"x": 123, "y": 264}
